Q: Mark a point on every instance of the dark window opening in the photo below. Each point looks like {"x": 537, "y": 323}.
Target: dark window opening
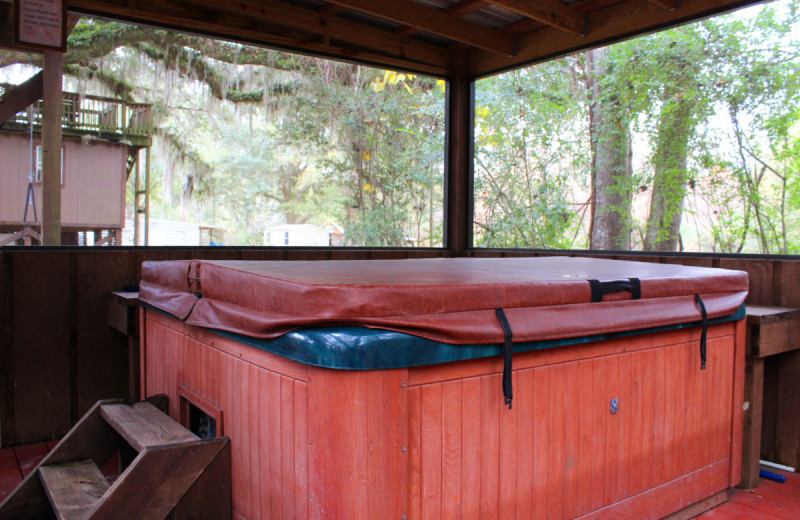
{"x": 201, "y": 424}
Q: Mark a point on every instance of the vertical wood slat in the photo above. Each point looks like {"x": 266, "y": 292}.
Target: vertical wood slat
{"x": 704, "y": 386}
{"x": 682, "y": 371}
{"x": 585, "y": 385}
{"x": 234, "y": 418}
{"x": 489, "y": 446}
{"x": 300, "y": 449}
{"x": 556, "y": 448}
{"x": 431, "y": 439}
{"x": 388, "y": 441}
{"x": 648, "y": 419}
{"x": 525, "y": 444}
{"x": 541, "y": 436}
{"x": 508, "y": 456}
{"x": 637, "y": 458}
{"x": 600, "y": 416}
{"x": 626, "y": 415}
{"x": 572, "y": 420}
{"x": 414, "y": 453}
{"x": 719, "y": 401}
{"x": 451, "y": 449}
{"x": 273, "y": 439}
{"x": 659, "y": 405}
{"x": 256, "y": 437}
{"x": 670, "y": 414}
{"x": 287, "y": 446}
{"x": 471, "y": 448}
{"x": 612, "y": 429}
{"x": 268, "y": 480}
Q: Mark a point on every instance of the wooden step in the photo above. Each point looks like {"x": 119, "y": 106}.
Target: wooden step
{"x": 73, "y": 488}
{"x": 143, "y": 425}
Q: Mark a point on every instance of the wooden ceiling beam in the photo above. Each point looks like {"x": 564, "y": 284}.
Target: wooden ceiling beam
{"x": 282, "y": 25}
{"x": 611, "y": 24}
{"x": 434, "y": 21}
{"x": 458, "y": 9}
{"x": 669, "y": 5}
{"x": 465, "y": 7}
{"x": 550, "y": 12}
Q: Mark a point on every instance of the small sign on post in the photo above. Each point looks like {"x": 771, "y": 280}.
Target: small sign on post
{"x": 41, "y": 24}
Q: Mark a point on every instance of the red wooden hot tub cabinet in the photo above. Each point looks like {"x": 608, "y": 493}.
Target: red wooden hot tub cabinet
{"x": 612, "y": 415}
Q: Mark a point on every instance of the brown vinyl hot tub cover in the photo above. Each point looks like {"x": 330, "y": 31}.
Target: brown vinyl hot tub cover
{"x": 449, "y": 300}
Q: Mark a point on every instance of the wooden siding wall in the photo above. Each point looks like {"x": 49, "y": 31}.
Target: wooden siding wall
{"x": 58, "y": 355}
{"x": 674, "y": 420}
{"x": 436, "y": 442}
{"x": 773, "y": 282}
{"x": 277, "y": 404}
{"x": 94, "y": 182}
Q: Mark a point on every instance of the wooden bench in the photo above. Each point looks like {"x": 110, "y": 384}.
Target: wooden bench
{"x": 770, "y": 331}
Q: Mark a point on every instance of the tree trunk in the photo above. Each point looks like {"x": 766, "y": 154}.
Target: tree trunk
{"x": 669, "y": 182}
{"x": 609, "y": 131}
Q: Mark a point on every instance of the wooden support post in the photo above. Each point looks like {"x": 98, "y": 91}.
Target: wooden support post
{"x": 771, "y": 331}
{"x": 137, "y": 226}
{"x": 147, "y": 196}
{"x": 754, "y": 397}
{"x": 51, "y": 149}
{"x": 458, "y": 199}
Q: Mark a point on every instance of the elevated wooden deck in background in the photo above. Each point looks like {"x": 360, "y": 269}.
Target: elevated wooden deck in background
{"x": 84, "y": 115}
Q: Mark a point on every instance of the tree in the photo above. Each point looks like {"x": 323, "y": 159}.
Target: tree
{"x": 529, "y": 156}
{"x": 610, "y": 137}
{"x": 275, "y": 137}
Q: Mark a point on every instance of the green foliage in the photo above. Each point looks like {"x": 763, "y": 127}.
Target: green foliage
{"x": 527, "y": 146}
{"x": 249, "y": 138}
{"x": 713, "y": 108}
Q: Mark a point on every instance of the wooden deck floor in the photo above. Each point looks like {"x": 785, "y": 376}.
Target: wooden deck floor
{"x": 769, "y": 501}
{"x": 17, "y": 462}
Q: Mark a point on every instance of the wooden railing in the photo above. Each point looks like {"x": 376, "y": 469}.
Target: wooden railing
{"x": 84, "y": 359}
{"x": 95, "y": 114}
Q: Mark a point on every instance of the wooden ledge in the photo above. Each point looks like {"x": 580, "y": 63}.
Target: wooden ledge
{"x": 759, "y": 314}
{"x": 772, "y": 330}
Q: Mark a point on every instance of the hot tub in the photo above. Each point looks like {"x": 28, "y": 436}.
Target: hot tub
{"x": 455, "y": 388}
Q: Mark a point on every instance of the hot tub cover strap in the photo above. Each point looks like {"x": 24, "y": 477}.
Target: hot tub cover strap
{"x": 704, "y": 333}
{"x": 508, "y": 347}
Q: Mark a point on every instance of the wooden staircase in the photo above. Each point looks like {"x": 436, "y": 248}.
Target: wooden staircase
{"x": 167, "y": 471}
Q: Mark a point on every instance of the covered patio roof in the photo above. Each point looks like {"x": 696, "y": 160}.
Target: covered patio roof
{"x": 436, "y": 37}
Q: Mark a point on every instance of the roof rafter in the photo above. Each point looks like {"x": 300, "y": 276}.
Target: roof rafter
{"x": 551, "y": 12}
{"x": 669, "y": 5}
{"x": 434, "y": 21}
{"x": 459, "y": 9}
{"x": 303, "y": 29}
